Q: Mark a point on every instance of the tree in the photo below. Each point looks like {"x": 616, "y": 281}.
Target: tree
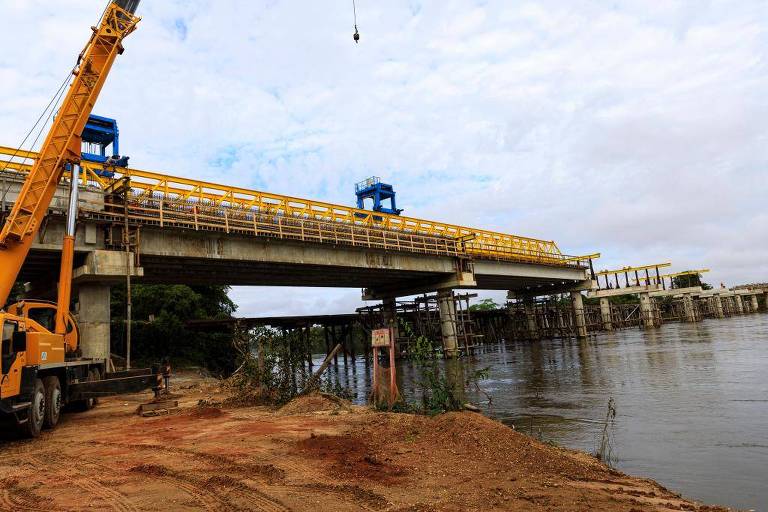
{"x": 484, "y": 305}
{"x": 688, "y": 281}
{"x": 159, "y": 325}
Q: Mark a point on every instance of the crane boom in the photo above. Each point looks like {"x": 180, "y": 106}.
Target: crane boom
{"x": 62, "y": 145}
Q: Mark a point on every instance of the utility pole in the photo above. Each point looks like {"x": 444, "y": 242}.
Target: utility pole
{"x": 127, "y": 244}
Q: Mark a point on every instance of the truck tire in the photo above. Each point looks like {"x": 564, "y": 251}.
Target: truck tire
{"x": 52, "y": 401}
{"x": 36, "y": 411}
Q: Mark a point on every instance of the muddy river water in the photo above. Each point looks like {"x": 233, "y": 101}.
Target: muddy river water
{"x": 691, "y": 401}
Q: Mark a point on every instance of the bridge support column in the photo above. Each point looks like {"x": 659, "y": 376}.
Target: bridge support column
{"x": 753, "y": 301}
{"x": 580, "y": 321}
{"x": 605, "y": 314}
{"x": 717, "y": 302}
{"x": 93, "y": 319}
{"x": 389, "y": 312}
{"x": 447, "y": 307}
{"x": 530, "y": 319}
{"x": 647, "y": 316}
{"x": 689, "y": 313}
{"x": 739, "y": 304}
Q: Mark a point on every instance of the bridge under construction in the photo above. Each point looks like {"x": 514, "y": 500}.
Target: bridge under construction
{"x": 156, "y": 228}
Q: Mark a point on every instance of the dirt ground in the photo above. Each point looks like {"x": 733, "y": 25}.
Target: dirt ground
{"x": 314, "y": 454}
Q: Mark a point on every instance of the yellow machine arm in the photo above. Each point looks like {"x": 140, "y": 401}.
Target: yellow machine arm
{"x": 62, "y": 145}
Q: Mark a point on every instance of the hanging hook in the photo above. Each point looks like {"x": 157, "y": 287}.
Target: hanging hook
{"x": 356, "y": 35}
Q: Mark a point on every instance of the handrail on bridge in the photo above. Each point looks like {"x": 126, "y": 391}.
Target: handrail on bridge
{"x": 149, "y": 185}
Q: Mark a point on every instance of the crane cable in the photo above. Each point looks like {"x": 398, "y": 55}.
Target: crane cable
{"x": 52, "y": 105}
{"x": 49, "y": 109}
{"x": 356, "y": 35}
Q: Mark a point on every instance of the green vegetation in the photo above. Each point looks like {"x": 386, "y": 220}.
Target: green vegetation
{"x": 484, "y": 305}
{"x": 441, "y": 386}
{"x": 160, "y": 314}
{"x": 689, "y": 281}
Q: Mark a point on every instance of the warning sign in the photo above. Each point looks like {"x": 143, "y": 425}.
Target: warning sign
{"x": 380, "y": 338}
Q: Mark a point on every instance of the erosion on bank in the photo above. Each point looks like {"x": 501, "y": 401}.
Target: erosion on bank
{"x": 313, "y": 454}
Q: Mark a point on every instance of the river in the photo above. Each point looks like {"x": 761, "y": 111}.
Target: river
{"x": 691, "y": 401}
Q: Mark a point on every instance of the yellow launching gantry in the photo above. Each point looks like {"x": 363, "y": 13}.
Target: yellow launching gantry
{"x": 611, "y": 277}
{"x": 171, "y": 191}
{"x": 661, "y": 279}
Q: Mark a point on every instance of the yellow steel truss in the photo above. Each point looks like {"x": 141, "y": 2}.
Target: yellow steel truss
{"x": 626, "y": 270}
{"x": 676, "y": 274}
{"x": 151, "y": 186}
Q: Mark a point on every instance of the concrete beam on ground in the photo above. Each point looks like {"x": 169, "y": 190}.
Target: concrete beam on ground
{"x": 627, "y": 290}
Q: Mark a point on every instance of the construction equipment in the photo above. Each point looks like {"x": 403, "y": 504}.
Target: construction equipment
{"x": 41, "y": 368}
{"x": 373, "y": 188}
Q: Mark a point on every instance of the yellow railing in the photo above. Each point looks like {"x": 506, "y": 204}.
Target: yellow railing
{"x": 149, "y": 186}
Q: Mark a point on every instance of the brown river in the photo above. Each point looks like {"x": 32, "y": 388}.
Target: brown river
{"x": 691, "y": 401}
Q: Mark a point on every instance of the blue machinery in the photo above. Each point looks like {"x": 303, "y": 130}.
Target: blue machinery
{"x": 373, "y": 188}
{"x": 98, "y": 134}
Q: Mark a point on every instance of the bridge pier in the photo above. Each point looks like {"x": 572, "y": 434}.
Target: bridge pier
{"x": 530, "y": 319}
{"x": 93, "y": 319}
{"x": 447, "y": 307}
{"x": 580, "y": 321}
{"x": 605, "y": 314}
{"x": 689, "y": 313}
{"x": 647, "y": 316}
{"x": 753, "y": 301}
{"x": 718, "y": 306}
{"x": 739, "y": 304}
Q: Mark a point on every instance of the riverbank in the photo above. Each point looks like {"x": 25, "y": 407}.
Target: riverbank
{"x": 313, "y": 454}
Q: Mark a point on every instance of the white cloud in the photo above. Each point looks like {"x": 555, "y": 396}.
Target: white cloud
{"x": 637, "y": 130}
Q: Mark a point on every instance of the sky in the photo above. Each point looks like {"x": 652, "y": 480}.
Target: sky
{"x": 635, "y": 129}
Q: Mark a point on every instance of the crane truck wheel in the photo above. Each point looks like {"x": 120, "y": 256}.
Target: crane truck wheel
{"x": 36, "y": 411}
{"x": 52, "y": 401}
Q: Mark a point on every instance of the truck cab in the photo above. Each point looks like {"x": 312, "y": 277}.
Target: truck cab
{"x": 43, "y": 312}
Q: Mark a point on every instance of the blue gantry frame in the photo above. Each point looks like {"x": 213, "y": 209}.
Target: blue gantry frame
{"x": 99, "y": 133}
{"x": 374, "y": 189}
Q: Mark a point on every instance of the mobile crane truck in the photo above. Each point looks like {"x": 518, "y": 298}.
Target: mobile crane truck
{"x": 41, "y": 365}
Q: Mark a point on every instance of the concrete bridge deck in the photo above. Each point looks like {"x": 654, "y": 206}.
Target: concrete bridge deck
{"x": 199, "y": 243}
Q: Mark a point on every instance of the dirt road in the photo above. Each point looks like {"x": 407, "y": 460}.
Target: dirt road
{"x": 314, "y": 455}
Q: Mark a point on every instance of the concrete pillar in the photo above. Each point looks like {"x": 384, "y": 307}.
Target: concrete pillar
{"x": 93, "y": 319}
{"x": 530, "y": 318}
{"x": 389, "y": 310}
{"x": 605, "y": 314}
{"x": 647, "y": 317}
{"x": 753, "y": 301}
{"x": 579, "y": 319}
{"x": 689, "y": 313}
{"x": 447, "y": 308}
{"x": 739, "y": 304}
{"x": 718, "y": 306}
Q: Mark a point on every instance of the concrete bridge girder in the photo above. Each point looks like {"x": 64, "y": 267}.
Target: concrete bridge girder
{"x": 173, "y": 255}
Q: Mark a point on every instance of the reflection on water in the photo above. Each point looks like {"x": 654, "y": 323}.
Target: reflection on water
{"x": 691, "y": 400}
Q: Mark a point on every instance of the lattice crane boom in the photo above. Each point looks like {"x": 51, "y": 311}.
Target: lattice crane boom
{"x": 62, "y": 145}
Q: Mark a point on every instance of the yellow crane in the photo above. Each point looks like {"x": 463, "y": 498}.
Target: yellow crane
{"x": 40, "y": 366}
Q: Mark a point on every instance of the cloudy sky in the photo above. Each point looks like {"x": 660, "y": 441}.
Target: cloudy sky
{"x": 637, "y": 129}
